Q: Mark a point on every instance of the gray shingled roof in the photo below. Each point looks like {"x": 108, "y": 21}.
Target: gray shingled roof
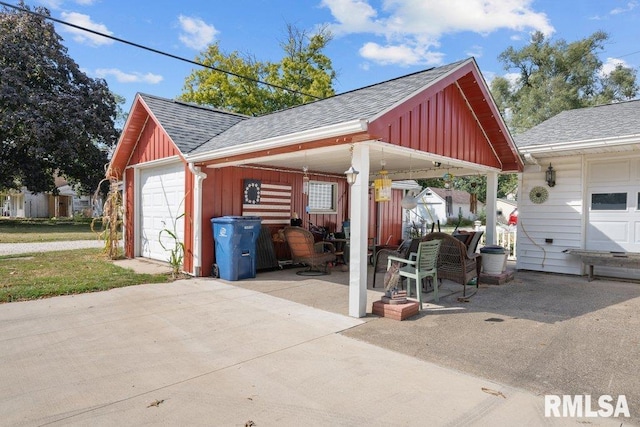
{"x": 190, "y": 125}
{"x": 459, "y": 197}
{"x": 604, "y": 121}
{"x": 358, "y": 104}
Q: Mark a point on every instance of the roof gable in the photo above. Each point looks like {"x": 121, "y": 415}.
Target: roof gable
{"x": 605, "y": 121}
{"x": 186, "y": 125}
{"x": 189, "y": 125}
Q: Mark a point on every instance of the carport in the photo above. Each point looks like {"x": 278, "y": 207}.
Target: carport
{"x": 423, "y": 125}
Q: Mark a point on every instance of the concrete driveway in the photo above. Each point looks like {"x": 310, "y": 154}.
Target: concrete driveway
{"x": 206, "y": 352}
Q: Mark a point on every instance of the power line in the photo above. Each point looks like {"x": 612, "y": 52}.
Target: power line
{"x": 150, "y": 49}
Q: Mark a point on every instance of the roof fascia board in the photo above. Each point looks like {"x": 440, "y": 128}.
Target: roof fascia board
{"x": 581, "y": 145}
{"x": 345, "y": 128}
{"x": 155, "y": 119}
{"x": 126, "y": 130}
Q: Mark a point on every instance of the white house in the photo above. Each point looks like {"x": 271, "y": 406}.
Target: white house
{"x": 25, "y": 204}
{"x": 436, "y": 205}
{"x": 593, "y": 201}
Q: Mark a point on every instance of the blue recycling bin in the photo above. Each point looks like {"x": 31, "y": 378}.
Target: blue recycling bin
{"x": 235, "y": 242}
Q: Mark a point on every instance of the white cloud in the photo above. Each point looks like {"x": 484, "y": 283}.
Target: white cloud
{"x": 85, "y": 21}
{"x": 196, "y": 33}
{"x": 412, "y": 28}
{"x": 629, "y": 7}
{"x": 400, "y": 54}
{"x": 475, "y": 51}
{"x": 610, "y": 64}
{"x": 122, "y": 77}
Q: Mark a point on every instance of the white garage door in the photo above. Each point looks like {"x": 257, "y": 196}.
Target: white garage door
{"x": 613, "y": 204}
{"x": 161, "y": 207}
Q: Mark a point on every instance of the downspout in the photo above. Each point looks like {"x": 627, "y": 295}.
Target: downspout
{"x": 197, "y": 217}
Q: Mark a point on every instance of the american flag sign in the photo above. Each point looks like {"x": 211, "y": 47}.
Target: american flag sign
{"x": 271, "y": 202}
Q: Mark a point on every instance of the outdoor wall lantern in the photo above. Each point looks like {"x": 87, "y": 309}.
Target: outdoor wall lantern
{"x": 550, "y": 176}
{"x": 351, "y": 174}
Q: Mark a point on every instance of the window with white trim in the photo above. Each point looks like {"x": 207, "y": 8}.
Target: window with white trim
{"x": 322, "y": 197}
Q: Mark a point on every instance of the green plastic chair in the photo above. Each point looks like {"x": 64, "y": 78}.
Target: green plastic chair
{"x": 420, "y": 265}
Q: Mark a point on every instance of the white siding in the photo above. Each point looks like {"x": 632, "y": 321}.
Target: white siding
{"x": 560, "y": 218}
{"x": 35, "y": 205}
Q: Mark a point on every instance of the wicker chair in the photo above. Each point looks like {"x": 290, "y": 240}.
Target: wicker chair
{"x": 454, "y": 261}
{"x": 304, "y": 250}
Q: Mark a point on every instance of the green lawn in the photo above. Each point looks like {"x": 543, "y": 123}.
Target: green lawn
{"x": 47, "y": 274}
{"x": 45, "y": 230}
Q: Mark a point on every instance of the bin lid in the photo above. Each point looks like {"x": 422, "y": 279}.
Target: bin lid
{"x": 492, "y": 249}
{"x": 230, "y": 218}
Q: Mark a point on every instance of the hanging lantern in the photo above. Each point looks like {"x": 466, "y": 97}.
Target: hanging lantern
{"x": 305, "y": 181}
{"x": 382, "y": 187}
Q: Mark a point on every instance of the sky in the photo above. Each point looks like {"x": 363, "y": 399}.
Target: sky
{"x": 373, "y": 40}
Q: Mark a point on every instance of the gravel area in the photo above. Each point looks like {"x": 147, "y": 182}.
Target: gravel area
{"x": 21, "y": 248}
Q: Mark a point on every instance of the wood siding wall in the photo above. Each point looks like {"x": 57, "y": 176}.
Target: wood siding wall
{"x": 153, "y": 144}
{"x": 439, "y": 123}
{"x": 559, "y": 218}
{"x": 188, "y": 220}
{"x": 129, "y": 213}
{"x": 222, "y": 195}
{"x": 385, "y": 219}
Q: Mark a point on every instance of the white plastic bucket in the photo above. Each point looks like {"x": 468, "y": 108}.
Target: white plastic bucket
{"x": 494, "y": 263}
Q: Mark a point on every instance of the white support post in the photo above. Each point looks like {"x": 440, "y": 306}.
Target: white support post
{"x": 198, "y": 177}
{"x": 492, "y": 208}
{"x": 359, "y": 215}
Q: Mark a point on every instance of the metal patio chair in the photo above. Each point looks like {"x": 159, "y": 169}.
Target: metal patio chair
{"x": 420, "y": 265}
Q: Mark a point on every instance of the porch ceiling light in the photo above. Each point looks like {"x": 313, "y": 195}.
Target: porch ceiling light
{"x": 351, "y": 175}
{"x": 550, "y": 176}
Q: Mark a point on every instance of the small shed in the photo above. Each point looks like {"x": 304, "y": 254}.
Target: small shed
{"x": 437, "y": 206}
{"x": 591, "y": 198}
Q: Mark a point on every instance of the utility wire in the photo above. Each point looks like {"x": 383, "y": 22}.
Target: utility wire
{"x": 160, "y": 52}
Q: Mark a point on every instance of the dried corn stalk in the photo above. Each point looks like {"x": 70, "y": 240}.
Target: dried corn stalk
{"x": 112, "y": 215}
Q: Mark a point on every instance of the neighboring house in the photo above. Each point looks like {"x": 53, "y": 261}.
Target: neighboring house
{"x": 458, "y": 203}
{"x": 437, "y": 205}
{"x": 183, "y": 165}
{"x": 594, "y": 203}
{"x": 24, "y": 204}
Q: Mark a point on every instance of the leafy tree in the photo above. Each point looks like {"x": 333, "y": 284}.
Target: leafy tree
{"x": 52, "y": 116}
{"x": 304, "y": 69}
{"x": 558, "y": 76}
